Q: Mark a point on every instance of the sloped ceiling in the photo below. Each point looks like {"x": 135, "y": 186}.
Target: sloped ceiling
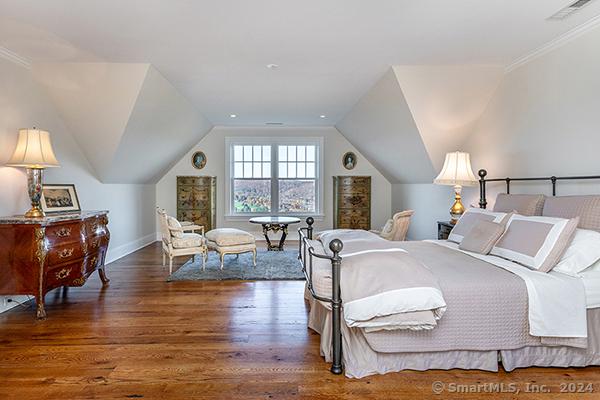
{"x": 415, "y": 114}
{"x": 382, "y": 127}
{"x": 130, "y": 122}
{"x": 446, "y": 102}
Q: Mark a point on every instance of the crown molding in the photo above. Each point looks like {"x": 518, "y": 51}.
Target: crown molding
{"x": 14, "y": 57}
{"x": 555, "y": 43}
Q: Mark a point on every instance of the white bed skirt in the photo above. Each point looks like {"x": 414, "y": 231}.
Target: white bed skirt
{"x": 361, "y": 360}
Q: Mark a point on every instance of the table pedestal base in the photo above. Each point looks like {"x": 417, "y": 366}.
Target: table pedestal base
{"x": 275, "y": 228}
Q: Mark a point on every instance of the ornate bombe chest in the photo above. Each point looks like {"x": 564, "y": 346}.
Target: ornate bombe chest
{"x": 41, "y": 254}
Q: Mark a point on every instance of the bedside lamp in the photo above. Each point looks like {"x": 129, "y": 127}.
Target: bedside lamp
{"x": 456, "y": 172}
{"x": 34, "y": 152}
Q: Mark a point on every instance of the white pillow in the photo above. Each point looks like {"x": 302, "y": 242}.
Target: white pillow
{"x": 583, "y": 252}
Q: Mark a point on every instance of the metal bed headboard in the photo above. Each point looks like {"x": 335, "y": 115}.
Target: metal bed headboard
{"x": 553, "y": 179}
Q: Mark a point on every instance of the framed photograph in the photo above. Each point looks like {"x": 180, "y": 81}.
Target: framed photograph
{"x": 349, "y": 160}
{"x": 59, "y": 198}
{"x": 199, "y": 160}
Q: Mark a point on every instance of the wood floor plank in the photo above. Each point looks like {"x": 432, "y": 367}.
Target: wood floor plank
{"x": 143, "y": 337}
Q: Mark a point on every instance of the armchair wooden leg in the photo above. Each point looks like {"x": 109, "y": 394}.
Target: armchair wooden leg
{"x": 222, "y": 259}
{"x": 203, "y": 255}
{"x": 254, "y": 257}
{"x": 164, "y": 258}
{"x": 170, "y": 265}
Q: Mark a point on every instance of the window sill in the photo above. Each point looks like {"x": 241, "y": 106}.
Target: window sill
{"x": 238, "y": 217}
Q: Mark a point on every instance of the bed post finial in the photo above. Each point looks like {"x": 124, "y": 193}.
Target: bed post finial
{"x": 309, "y": 230}
{"x": 482, "y": 200}
{"x": 336, "y": 247}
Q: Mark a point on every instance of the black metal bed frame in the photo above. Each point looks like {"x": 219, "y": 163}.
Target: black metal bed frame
{"x": 336, "y": 246}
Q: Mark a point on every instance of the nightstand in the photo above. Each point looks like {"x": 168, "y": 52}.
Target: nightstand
{"x": 444, "y": 228}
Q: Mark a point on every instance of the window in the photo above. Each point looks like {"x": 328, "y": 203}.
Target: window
{"x": 274, "y": 176}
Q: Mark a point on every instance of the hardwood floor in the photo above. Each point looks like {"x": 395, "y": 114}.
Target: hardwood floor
{"x": 144, "y": 338}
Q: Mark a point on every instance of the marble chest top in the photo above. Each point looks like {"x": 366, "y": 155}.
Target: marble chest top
{"x": 51, "y": 218}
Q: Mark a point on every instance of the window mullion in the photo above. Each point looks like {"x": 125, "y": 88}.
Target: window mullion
{"x": 275, "y": 178}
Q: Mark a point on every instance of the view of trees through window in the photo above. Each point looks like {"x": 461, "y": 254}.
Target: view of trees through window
{"x": 288, "y": 184}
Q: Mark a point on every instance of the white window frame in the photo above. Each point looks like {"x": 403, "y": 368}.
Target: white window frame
{"x": 274, "y": 142}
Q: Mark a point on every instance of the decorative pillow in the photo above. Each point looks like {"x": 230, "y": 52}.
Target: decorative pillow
{"x": 587, "y": 208}
{"x": 482, "y": 237}
{"x": 536, "y": 242}
{"x": 524, "y": 204}
{"x": 174, "y": 224}
{"x": 468, "y": 221}
{"x": 387, "y": 230}
{"x": 583, "y": 252}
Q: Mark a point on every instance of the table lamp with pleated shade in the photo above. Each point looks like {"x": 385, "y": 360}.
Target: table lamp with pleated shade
{"x": 456, "y": 172}
{"x": 34, "y": 152}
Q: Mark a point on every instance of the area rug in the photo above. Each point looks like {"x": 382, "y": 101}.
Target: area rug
{"x": 270, "y": 265}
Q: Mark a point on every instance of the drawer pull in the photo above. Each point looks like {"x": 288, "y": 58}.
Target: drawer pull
{"x": 63, "y": 273}
{"x": 63, "y": 232}
{"x": 66, "y": 253}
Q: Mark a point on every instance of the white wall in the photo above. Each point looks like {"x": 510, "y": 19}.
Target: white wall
{"x": 542, "y": 120}
{"x": 335, "y": 145}
{"x": 24, "y": 104}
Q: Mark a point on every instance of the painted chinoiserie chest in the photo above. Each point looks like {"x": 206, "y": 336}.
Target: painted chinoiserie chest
{"x": 41, "y": 254}
{"x": 352, "y": 202}
{"x": 196, "y": 200}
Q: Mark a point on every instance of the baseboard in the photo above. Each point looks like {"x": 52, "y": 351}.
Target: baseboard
{"x": 8, "y": 302}
{"x": 125, "y": 249}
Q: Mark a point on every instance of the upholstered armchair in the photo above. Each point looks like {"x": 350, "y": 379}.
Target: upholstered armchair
{"x": 395, "y": 229}
{"x": 181, "y": 240}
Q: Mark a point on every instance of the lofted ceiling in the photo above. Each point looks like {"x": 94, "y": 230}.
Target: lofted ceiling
{"x": 329, "y": 52}
{"x": 129, "y": 121}
{"x": 404, "y": 81}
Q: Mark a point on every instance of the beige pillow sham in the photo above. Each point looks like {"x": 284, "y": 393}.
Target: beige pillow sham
{"x": 536, "y": 242}
{"x": 482, "y": 237}
{"x": 468, "y": 221}
{"x": 524, "y": 204}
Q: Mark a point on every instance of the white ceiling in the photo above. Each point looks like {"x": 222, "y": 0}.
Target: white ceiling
{"x": 330, "y": 52}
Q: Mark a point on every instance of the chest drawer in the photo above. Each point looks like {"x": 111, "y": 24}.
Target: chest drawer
{"x": 64, "y": 275}
{"x": 358, "y": 200}
{"x": 354, "y": 189}
{"x": 63, "y": 233}
{"x": 355, "y": 180}
{"x": 62, "y": 253}
{"x": 95, "y": 226}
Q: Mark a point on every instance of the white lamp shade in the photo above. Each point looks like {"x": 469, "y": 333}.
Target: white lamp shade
{"x": 456, "y": 171}
{"x": 34, "y": 150}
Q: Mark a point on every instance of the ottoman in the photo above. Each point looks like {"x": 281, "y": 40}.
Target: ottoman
{"x": 231, "y": 241}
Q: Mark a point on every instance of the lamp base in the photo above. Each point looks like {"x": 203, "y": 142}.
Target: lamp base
{"x": 457, "y": 209}
{"x": 34, "y": 187}
{"x": 35, "y": 212}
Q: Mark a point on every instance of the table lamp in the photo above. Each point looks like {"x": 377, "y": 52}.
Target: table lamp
{"x": 34, "y": 152}
{"x": 456, "y": 172}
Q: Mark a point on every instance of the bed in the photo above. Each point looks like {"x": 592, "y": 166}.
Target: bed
{"x": 494, "y": 312}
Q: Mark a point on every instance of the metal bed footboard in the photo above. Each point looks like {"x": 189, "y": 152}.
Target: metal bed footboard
{"x": 304, "y": 249}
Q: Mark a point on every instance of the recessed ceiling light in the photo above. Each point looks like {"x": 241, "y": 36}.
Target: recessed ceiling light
{"x": 323, "y": 116}
{"x": 272, "y": 66}
{"x": 233, "y": 116}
